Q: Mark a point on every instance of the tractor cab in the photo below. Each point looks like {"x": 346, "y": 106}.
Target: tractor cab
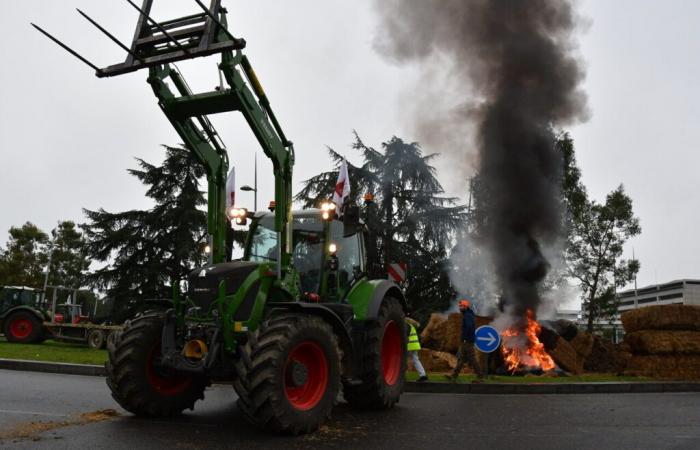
{"x": 70, "y": 313}
{"x": 12, "y": 296}
{"x": 328, "y": 255}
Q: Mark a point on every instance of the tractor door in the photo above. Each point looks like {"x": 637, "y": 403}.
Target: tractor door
{"x": 351, "y": 258}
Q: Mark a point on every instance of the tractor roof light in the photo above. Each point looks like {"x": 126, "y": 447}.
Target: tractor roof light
{"x": 207, "y": 249}
{"x": 327, "y": 210}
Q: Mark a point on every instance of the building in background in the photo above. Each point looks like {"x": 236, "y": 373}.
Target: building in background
{"x": 678, "y": 292}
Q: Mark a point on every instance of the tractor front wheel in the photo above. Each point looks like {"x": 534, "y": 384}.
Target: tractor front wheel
{"x": 383, "y": 361}
{"x": 23, "y": 327}
{"x": 289, "y": 374}
{"x": 138, "y": 383}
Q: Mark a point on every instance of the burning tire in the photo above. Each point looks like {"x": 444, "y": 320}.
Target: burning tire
{"x": 383, "y": 361}
{"x": 289, "y": 374}
{"x": 137, "y": 383}
{"x": 23, "y": 327}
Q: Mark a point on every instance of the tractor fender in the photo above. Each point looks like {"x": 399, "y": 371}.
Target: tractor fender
{"x": 366, "y": 297}
{"x": 339, "y": 328}
{"x": 385, "y": 288}
{"x": 41, "y": 316}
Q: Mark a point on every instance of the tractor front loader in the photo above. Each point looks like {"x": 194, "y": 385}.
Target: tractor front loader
{"x": 294, "y": 321}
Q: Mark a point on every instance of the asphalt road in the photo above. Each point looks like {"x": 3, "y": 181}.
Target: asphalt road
{"x": 45, "y": 409}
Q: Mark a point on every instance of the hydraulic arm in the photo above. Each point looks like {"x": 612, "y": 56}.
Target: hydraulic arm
{"x": 156, "y": 46}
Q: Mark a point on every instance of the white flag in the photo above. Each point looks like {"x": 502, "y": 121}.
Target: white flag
{"x": 231, "y": 188}
{"x": 342, "y": 187}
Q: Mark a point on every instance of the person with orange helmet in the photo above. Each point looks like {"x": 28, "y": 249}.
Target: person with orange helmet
{"x": 466, "y": 348}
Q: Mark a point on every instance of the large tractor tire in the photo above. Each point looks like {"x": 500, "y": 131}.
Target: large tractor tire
{"x": 23, "y": 327}
{"x": 136, "y": 381}
{"x": 289, "y": 374}
{"x": 383, "y": 365}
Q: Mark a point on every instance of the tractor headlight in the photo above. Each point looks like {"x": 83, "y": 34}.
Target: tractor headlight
{"x": 332, "y": 249}
{"x": 327, "y": 210}
{"x": 238, "y": 215}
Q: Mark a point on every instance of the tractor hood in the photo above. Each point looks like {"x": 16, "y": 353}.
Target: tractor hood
{"x": 203, "y": 283}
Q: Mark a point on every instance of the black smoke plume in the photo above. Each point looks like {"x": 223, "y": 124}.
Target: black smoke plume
{"x": 509, "y": 69}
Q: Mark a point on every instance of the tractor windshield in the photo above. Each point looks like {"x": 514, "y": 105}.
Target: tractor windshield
{"x": 307, "y": 252}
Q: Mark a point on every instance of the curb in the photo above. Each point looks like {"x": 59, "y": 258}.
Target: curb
{"x": 424, "y": 388}
{"x": 554, "y": 388}
{"x": 52, "y": 367}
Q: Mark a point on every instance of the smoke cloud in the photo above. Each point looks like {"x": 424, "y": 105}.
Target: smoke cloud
{"x": 500, "y": 76}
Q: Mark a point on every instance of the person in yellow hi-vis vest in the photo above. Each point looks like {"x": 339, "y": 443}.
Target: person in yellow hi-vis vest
{"x": 413, "y": 347}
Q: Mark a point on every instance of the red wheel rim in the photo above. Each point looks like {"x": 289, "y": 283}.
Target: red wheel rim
{"x": 392, "y": 353}
{"x": 310, "y": 358}
{"x": 165, "y": 384}
{"x": 21, "y": 328}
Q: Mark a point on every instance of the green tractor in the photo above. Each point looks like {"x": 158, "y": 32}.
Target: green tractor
{"x": 21, "y": 317}
{"x": 295, "y": 320}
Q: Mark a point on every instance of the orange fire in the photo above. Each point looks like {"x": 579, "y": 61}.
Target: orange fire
{"x": 525, "y": 350}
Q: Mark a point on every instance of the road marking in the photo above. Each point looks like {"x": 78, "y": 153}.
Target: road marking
{"x": 31, "y": 413}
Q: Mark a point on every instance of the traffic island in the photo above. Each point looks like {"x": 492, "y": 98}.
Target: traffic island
{"x": 463, "y": 387}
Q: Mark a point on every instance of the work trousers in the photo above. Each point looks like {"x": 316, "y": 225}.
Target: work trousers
{"x": 416, "y": 363}
{"x": 466, "y": 352}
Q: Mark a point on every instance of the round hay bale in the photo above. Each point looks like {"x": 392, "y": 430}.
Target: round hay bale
{"x": 582, "y": 343}
{"x": 662, "y": 317}
{"x": 434, "y": 333}
{"x": 605, "y": 357}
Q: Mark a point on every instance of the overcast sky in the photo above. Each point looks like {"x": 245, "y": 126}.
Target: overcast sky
{"x": 68, "y": 137}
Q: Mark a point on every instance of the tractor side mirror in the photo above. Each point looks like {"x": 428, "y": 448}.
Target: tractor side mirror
{"x": 351, "y": 220}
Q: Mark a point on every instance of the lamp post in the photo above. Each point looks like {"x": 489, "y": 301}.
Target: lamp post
{"x": 254, "y": 189}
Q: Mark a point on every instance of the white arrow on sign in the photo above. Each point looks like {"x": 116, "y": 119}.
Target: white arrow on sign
{"x": 490, "y": 339}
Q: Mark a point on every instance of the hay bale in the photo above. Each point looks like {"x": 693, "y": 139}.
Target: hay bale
{"x": 566, "y": 357}
{"x": 662, "y": 317}
{"x": 582, "y": 343}
{"x": 679, "y": 367}
{"x": 434, "y": 361}
{"x": 453, "y": 333}
{"x": 444, "y": 333}
{"x": 663, "y": 341}
{"x": 434, "y": 333}
{"x": 605, "y": 357}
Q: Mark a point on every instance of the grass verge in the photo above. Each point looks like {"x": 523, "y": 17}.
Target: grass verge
{"x": 53, "y": 351}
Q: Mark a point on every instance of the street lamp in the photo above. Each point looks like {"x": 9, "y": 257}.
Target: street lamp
{"x": 255, "y": 184}
{"x": 255, "y": 198}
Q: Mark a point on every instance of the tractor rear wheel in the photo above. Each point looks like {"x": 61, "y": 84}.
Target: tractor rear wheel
{"x": 137, "y": 383}
{"x": 383, "y": 365}
{"x": 289, "y": 374}
{"x": 23, "y": 327}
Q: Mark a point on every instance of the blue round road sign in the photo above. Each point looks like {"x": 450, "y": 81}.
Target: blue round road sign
{"x": 487, "y": 339}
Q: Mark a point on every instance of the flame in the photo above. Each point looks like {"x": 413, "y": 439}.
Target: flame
{"x": 525, "y": 349}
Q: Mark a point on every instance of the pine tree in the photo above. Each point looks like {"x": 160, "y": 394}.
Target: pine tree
{"x": 146, "y": 251}
{"x": 410, "y": 220}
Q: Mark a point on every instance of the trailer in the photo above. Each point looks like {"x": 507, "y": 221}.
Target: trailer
{"x": 68, "y": 324}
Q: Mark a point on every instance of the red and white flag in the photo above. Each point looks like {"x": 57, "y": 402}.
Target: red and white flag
{"x": 342, "y": 187}
{"x": 231, "y": 188}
